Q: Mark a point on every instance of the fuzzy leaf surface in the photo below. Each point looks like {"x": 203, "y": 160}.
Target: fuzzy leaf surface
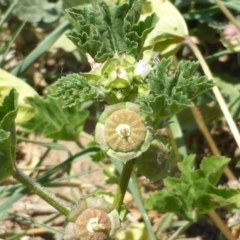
{"x": 103, "y": 30}
{"x": 171, "y": 92}
{"x": 73, "y": 88}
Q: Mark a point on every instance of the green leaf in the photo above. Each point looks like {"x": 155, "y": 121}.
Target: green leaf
{"x": 103, "y": 30}
{"x": 213, "y": 168}
{"x": 51, "y": 120}
{"x": 195, "y": 192}
{"x": 35, "y": 11}
{"x": 163, "y": 202}
{"x": 8, "y": 82}
{"x": 162, "y": 106}
{"x": 171, "y": 92}
{"x": 6, "y": 160}
{"x": 74, "y": 88}
{"x": 187, "y": 166}
{"x": 170, "y": 30}
{"x": 8, "y": 113}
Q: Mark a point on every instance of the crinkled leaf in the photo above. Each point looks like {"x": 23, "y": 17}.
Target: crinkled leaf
{"x": 163, "y": 106}
{"x": 103, "y": 30}
{"x": 73, "y": 88}
{"x": 195, "y": 191}
{"x": 184, "y": 79}
{"x": 51, "y": 120}
{"x": 171, "y": 92}
{"x": 8, "y": 113}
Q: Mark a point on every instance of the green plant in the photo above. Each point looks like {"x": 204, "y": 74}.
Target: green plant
{"x": 144, "y": 89}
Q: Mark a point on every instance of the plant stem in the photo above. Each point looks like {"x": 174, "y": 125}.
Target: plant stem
{"x": 216, "y": 91}
{"x": 41, "y": 191}
{"x": 221, "y": 225}
{"x": 228, "y": 14}
{"x": 215, "y": 218}
{"x": 202, "y": 126}
{"x": 123, "y": 184}
{"x": 180, "y": 231}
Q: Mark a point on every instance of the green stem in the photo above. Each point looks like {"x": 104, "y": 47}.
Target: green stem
{"x": 123, "y": 184}
{"x": 41, "y": 192}
{"x": 181, "y": 230}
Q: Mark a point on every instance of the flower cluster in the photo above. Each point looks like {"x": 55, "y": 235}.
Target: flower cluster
{"x": 117, "y": 79}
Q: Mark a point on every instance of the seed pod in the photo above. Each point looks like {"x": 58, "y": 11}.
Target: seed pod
{"x": 92, "y": 219}
{"x": 123, "y": 131}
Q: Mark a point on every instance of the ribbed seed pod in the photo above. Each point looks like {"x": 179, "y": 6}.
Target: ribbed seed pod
{"x": 123, "y": 132}
{"x": 92, "y": 219}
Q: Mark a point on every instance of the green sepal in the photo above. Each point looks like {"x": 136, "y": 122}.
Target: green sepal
{"x": 155, "y": 162}
{"x": 8, "y": 113}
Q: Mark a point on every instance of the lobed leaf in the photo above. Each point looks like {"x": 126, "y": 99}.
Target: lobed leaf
{"x": 73, "y": 88}
{"x": 195, "y": 191}
{"x": 171, "y": 92}
{"x": 103, "y": 30}
{"x": 51, "y": 120}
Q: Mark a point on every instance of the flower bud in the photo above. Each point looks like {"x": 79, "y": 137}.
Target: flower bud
{"x": 231, "y": 38}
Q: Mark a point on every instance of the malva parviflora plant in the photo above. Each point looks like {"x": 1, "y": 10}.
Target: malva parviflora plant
{"x": 140, "y": 92}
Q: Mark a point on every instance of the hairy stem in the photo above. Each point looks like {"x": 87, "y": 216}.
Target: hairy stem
{"x": 123, "y": 184}
{"x": 41, "y": 191}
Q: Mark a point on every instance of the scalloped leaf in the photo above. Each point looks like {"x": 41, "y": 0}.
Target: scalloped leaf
{"x": 73, "y": 88}
{"x": 194, "y": 192}
{"x": 51, "y": 120}
{"x": 171, "y": 92}
{"x": 103, "y": 30}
